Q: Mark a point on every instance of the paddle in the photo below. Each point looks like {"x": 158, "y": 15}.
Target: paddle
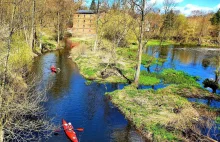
{"x": 56, "y": 132}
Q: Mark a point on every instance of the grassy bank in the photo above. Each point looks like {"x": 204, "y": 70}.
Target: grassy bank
{"x": 105, "y": 65}
{"x": 155, "y": 114}
{"x": 48, "y": 39}
{"x": 155, "y": 42}
{"x": 163, "y": 115}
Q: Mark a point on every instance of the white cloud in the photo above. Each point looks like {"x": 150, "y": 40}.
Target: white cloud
{"x": 160, "y": 2}
{"x": 186, "y": 10}
{"x": 218, "y": 6}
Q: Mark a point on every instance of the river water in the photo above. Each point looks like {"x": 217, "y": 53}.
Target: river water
{"x": 86, "y": 106}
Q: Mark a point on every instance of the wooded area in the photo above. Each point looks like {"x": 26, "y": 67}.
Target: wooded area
{"x": 24, "y": 27}
{"x": 28, "y": 27}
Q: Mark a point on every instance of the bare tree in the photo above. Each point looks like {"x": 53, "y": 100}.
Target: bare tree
{"x": 143, "y": 8}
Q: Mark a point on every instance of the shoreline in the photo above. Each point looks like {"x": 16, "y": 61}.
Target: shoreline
{"x": 89, "y": 68}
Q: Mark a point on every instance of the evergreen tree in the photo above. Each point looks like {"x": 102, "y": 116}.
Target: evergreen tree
{"x": 168, "y": 22}
{"x": 93, "y": 5}
{"x": 215, "y": 20}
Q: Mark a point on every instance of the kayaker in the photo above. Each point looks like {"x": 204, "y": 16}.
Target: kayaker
{"x": 53, "y": 68}
{"x": 70, "y": 127}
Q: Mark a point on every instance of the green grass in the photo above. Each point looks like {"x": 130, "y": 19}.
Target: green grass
{"x": 150, "y": 111}
{"x": 153, "y": 42}
{"x": 148, "y": 79}
{"x": 171, "y": 76}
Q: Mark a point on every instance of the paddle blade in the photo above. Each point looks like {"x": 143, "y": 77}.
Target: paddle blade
{"x": 80, "y": 129}
{"x": 57, "y": 130}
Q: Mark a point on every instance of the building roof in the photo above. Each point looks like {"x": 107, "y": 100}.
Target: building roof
{"x": 85, "y": 12}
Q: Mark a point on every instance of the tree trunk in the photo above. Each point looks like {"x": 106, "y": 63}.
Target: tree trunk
{"x": 58, "y": 28}
{"x": 1, "y": 134}
{"x": 199, "y": 41}
{"x": 97, "y": 27}
{"x": 218, "y": 38}
{"x": 140, "y": 46}
{"x": 1, "y": 16}
{"x": 33, "y": 31}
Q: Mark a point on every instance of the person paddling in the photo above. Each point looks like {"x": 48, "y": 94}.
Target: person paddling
{"x": 70, "y": 127}
{"x": 53, "y": 68}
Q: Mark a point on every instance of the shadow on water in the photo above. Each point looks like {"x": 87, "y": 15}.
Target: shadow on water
{"x": 84, "y": 106}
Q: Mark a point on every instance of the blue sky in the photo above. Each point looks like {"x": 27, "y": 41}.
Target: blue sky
{"x": 186, "y": 6}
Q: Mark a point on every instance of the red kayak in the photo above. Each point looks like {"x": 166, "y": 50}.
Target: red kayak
{"x": 68, "y": 129}
{"x": 53, "y": 69}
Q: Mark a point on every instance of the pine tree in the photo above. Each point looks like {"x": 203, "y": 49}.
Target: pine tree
{"x": 93, "y": 5}
{"x": 215, "y": 20}
{"x": 169, "y": 20}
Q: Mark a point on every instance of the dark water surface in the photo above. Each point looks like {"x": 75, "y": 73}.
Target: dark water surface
{"x": 84, "y": 106}
{"x": 87, "y": 107}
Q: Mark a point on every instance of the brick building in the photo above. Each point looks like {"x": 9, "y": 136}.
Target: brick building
{"x": 84, "y": 23}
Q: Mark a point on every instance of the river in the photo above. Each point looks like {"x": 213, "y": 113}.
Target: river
{"x": 86, "y": 106}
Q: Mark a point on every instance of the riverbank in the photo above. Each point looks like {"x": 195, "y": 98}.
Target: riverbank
{"x": 160, "y": 116}
{"x": 165, "y": 114}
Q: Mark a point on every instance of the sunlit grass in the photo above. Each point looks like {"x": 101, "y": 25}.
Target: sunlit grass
{"x": 152, "y": 111}
{"x": 153, "y": 42}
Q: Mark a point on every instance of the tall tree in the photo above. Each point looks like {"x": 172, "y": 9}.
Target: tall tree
{"x": 215, "y": 20}
{"x": 168, "y": 6}
{"x": 93, "y": 5}
{"x": 97, "y": 26}
{"x": 143, "y": 8}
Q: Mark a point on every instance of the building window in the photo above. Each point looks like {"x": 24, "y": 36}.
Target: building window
{"x": 78, "y": 15}
{"x": 84, "y": 21}
{"x": 90, "y": 21}
{"x": 84, "y": 15}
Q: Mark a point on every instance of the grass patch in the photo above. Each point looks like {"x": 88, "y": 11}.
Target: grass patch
{"x": 171, "y": 76}
{"x": 154, "y": 42}
{"x": 153, "y": 111}
{"x": 148, "y": 79}
{"x": 190, "y": 91}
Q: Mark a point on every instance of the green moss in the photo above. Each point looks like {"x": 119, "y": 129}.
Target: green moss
{"x": 161, "y": 134}
{"x": 171, "y": 76}
{"x": 148, "y": 79}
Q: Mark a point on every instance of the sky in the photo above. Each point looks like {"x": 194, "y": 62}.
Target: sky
{"x": 186, "y": 6}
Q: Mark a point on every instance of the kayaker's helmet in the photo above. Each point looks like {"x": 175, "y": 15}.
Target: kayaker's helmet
{"x": 69, "y": 123}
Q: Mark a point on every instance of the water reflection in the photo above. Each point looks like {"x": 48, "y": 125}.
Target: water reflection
{"x": 194, "y": 61}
